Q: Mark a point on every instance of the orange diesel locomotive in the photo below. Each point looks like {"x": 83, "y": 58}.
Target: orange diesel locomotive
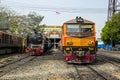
{"x": 79, "y": 41}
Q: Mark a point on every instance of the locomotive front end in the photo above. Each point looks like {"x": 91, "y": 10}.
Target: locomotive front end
{"x": 79, "y": 41}
{"x": 35, "y": 44}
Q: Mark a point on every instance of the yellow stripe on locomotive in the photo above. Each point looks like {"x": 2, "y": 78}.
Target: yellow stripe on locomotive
{"x": 70, "y": 41}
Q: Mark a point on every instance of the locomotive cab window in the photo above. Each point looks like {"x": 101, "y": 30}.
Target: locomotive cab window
{"x": 73, "y": 28}
{"x": 79, "y": 30}
{"x": 86, "y": 28}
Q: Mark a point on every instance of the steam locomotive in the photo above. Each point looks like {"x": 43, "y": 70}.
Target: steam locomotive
{"x": 37, "y": 44}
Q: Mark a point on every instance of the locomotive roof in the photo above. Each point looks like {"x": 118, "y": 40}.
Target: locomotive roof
{"x": 85, "y": 21}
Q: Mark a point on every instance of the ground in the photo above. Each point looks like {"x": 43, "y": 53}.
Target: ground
{"x": 52, "y": 66}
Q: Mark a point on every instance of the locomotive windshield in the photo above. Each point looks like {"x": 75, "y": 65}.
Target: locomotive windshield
{"x": 78, "y": 30}
{"x": 86, "y": 28}
{"x": 73, "y": 28}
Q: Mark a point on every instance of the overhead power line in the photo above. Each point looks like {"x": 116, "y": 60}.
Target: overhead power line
{"x": 65, "y": 9}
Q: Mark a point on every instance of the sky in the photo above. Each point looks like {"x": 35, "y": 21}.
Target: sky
{"x": 56, "y": 12}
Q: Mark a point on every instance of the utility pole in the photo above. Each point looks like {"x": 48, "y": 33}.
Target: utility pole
{"x": 113, "y": 7}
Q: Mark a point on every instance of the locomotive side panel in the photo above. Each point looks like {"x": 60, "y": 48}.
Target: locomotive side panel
{"x": 10, "y": 43}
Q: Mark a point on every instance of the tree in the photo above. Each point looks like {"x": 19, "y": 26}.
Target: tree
{"x": 8, "y": 19}
{"x": 106, "y": 34}
{"x": 36, "y": 18}
{"x": 20, "y": 25}
{"x": 4, "y": 18}
{"x": 40, "y": 28}
{"x": 24, "y": 24}
{"x": 111, "y": 31}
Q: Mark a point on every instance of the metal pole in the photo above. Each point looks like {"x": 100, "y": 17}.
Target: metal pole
{"x": 54, "y": 43}
{"x": 113, "y": 7}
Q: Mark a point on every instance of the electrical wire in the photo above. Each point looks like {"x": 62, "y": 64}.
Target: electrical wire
{"x": 57, "y": 8}
{"x": 64, "y": 9}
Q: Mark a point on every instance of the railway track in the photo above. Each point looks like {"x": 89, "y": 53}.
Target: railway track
{"x": 101, "y": 70}
{"x": 106, "y": 68}
{"x": 79, "y": 76}
{"x": 111, "y": 60}
{"x": 95, "y": 72}
{"x": 92, "y": 73}
{"x": 104, "y": 61}
{"x": 7, "y": 68}
{"x": 87, "y": 73}
{"x": 103, "y": 73}
{"x": 12, "y": 62}
{"x": 5, "y": 55}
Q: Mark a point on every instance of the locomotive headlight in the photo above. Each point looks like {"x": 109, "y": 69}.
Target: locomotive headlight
{"x": 70, "y": 43}
{"x": 67, "y": 48}
{"x": 91, "y": 48}
{"x": 90, "y": 42}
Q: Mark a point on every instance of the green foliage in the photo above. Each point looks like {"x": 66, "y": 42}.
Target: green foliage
{"x": 4, "y": 16}
{"x": 36, "y": 18}
{"x": 20, "y": 25}
{"x": 40, "y": 28}
{"x": 106, "y": 34}
{"x": 111, "y": 30}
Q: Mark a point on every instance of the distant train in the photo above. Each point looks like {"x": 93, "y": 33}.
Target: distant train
{"x": 37, "y": 44}
{"x": 11, "y": 43}
{"x": 78, "y": 41}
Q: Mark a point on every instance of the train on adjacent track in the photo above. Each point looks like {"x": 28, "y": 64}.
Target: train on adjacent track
{"x": 78, "y": 41}
{"x": 11, "y": 43}
{"x": 37, "y": 44}
{"x": 34, "y": 44}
